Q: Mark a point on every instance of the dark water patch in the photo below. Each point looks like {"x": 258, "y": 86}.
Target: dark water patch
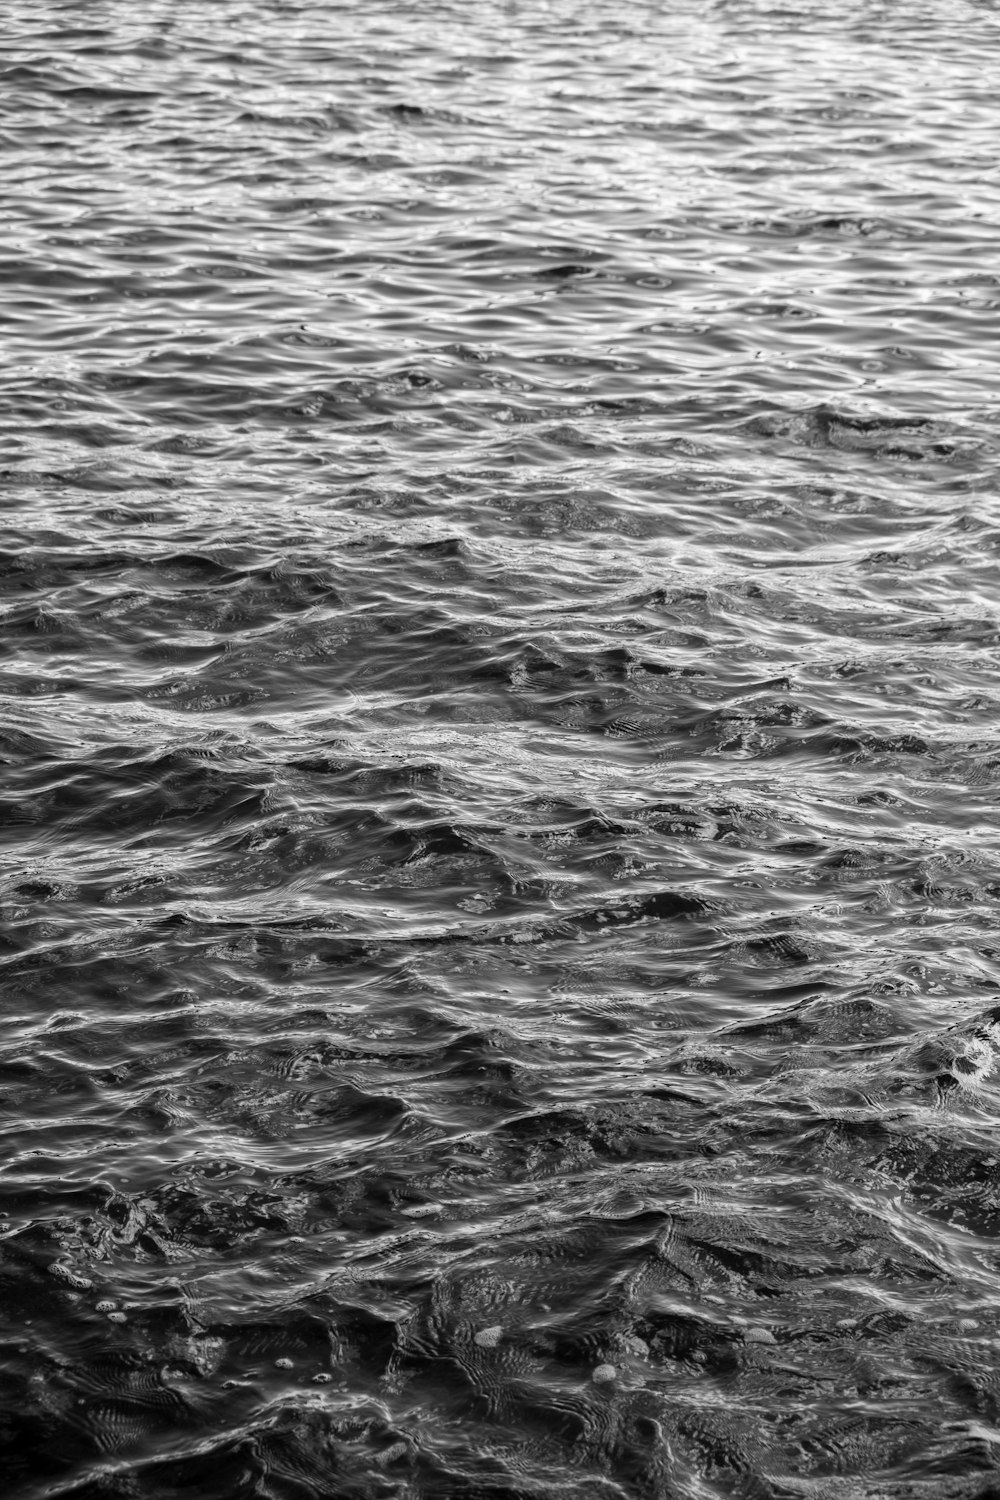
{"x": 908, "y": 438}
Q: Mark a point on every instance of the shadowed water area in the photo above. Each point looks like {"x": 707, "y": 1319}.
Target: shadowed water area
{"x": 499, "y": 870}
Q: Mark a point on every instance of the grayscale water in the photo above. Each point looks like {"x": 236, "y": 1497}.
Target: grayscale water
{"x": 500, "y": 862}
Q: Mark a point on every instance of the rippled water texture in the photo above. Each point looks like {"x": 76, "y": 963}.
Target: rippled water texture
{"x": 500, "y": 877}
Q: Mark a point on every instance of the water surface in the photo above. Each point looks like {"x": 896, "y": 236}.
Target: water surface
{"x": 500, "y": 874}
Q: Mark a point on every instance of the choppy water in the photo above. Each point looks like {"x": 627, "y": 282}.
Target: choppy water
{"x": 500, "y": 875}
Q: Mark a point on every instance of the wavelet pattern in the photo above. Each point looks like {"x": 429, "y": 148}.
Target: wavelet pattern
{"x": 499, "y": 863}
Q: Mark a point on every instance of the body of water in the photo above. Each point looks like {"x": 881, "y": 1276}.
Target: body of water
{"x": 499, "y": 862}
